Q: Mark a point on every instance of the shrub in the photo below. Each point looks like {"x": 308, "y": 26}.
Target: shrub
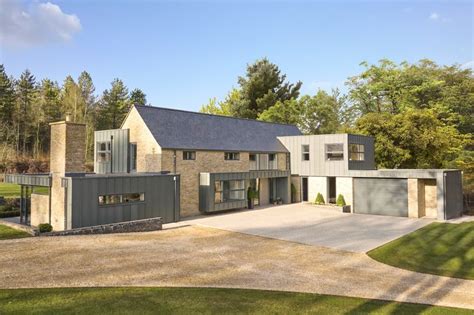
{"x": 319, "y": 199}
{"x": 340, "y": 201}
{"x": 45, "y": 227}
{"x": 9, "y": 214}
{"x": 252, "y": 193}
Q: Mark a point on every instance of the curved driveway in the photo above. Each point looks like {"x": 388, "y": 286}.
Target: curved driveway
{"x": 198, "y": 256}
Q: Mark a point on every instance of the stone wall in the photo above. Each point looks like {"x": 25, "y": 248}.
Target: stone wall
{"x": 344, "y": 187}
{"x": 206, "y": 161}
{"x": 148, "y": 150}
{"x": 281, "y": 161}
{"x": 145, "y": 225}
{"x": 296, "y": 181}
{"x": 431, "y": 201}
{"x": 317, "y": 184}
{"x": 39, "y": 209}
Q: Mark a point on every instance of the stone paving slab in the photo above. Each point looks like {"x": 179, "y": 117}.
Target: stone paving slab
{"x": 205, "y": 257}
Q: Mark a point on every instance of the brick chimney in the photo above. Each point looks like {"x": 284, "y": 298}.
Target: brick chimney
{"x": 68, "y": 145}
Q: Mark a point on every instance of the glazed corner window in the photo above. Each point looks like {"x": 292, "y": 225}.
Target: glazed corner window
{"x": 231, "y": 156}
{"x": 121, "y": 198}
{"x": 356, "y": 152}
{"x": 334, "y": 152}
{"x": 305, "y": 150}
{"x": 103, "y": 151}
{"x": 229, "y": 190}
{"x": 189, "y": 155}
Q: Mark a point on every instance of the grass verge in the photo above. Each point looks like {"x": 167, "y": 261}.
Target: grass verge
{"x": 439, "y": 248}
{"x": 197, "y": 301}
{"x": 7, "y": 233}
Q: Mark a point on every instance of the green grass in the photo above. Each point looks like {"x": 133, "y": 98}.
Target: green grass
{"x": 196, "y": 301}
{"x": 13, "y": 191}
{"x": 7, "y": 233}
{"x": 439, "y": 248}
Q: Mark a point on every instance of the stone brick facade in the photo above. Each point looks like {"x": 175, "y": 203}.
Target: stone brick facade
{"x": 39, "y": 209}
{"x": 67, "y": 155}
{"x": 148, "y": 150}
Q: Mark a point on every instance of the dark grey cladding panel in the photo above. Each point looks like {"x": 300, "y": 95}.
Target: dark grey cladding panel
{"x": 453, "y": 194}
{"x": 188, "y": 130}
{"x": 27, "y": 179}
{"x": 161, "y": 199}
{"x": 369, "y": 159}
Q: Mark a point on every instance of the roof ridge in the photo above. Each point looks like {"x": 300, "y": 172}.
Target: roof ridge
{"x": 215, "y": 115}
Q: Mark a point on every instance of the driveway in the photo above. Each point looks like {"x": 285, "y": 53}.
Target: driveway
{"x": 307, "y": 224}
{"x": 205, "y": 257}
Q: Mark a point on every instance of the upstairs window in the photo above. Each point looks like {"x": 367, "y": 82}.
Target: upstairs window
{"x": 231, "y": 156}
{"x": 189, "y": 155}
{"x": 305, "y": 150}
{"x": 356, "y": 152}
{"x": 103, "y": 151}
{"x": 335, "y": 152}
{"x": 252, "y": 157}
{"x": 272, "y": 157}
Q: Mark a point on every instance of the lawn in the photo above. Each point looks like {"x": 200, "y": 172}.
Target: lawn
{"x": 13, "y": 191}
{"x": 439, "y": 248}
{"x": 196, "y": 300}
{"x": 7, "y": 233}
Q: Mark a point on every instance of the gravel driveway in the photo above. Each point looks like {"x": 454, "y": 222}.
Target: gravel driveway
{"x": 198, "y": 256}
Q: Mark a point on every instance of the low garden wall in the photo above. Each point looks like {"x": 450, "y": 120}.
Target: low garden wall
{"x": 144, "y": 225}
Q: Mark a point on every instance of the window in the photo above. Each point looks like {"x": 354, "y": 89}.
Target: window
{"x": 272, "y": 157}
{"x": 189, "y": 155}
{"x": 231, "y": 156}
{"x": 121, "y": 198}
{"x": 252, "y": 157}
{"x": 356, "y": 152}
{"x": 272, "y": 161}
{"x": 305, "y": 150}
{"x": 103, "y": 151}
{"x": 334, "y": 152}
{"x": 229, "y": 190}
{"x": 133, "y": 157}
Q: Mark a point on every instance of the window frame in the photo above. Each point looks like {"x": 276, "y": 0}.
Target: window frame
{"x": 107, "y": 151}
{"x": 186, "y": 156}
{"x": 232, "y": 156}
{"x": 326, "y": 152}
{"x": 305, "y": 155}
{"x": 102, "y": 200}
{"x": 224, "y": 189}
{"x": 358, "y": 152}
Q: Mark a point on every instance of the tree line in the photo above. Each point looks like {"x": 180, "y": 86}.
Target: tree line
{"x": 27, "y": 106}
{"x": 421, "y": 114}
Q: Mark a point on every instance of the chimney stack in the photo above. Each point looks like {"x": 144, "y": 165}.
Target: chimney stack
{"x": 68, "y": 146}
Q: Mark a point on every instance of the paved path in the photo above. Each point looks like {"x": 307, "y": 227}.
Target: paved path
{"x": 307, "y": 224}
{"x": 197, "y": 256}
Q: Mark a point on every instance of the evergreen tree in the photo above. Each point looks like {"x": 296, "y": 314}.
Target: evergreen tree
{"x": 26, "y": 93}
{"x": 137, "y": 97}
{"x": 114, "y": 105}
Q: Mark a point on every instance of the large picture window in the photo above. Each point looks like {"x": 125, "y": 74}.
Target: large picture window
{"x": 115, "y": 199}
{"x": 356, "y": 152}
{"x": 229, "y": 190}
{"x": 103, "y": 151}
{"x": 334, "y": 152}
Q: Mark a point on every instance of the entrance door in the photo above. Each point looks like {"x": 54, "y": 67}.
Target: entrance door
{"x": 332, "y": 189}
{"x": 305, "y": 188}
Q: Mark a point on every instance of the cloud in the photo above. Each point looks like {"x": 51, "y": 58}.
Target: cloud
{"x": 37, "y": 24}
{"x": 434, "y": 16}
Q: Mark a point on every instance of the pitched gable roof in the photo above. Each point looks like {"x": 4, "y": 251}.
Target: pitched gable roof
{"x": 178, "y": 129}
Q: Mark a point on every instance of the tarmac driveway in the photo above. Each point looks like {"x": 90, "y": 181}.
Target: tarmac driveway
{"x": 307, "y": 224}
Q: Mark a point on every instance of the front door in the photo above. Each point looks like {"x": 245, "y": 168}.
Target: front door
{"x": 305, "y": 188}
{"x": 332, "y": 189}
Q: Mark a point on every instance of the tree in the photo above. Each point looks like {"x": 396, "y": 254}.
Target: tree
{"x": 88, "y": 104}
{"x": 414, "y": 138}
{"x": 26, "y": 94}
{"x": 114, "y": 105}
{"x": 7, "y": 98}
{"x": 262, "y": 87}
{"x": 48, "y": 110}
{"x": 71, "y": 99}
{"x": 137, "y": 97}
{"x": 212, "y": 107}
{"x": 312, "y": 114}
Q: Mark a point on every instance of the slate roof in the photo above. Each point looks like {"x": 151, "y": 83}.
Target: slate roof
{"x": 178, "y": 129}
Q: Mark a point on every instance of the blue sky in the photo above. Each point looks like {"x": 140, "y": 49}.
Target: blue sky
{"x": 183, "y": 53}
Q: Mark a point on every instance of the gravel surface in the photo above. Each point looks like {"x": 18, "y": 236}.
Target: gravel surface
{"x": 198, "y": 256}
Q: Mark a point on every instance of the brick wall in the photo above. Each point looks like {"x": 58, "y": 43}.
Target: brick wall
{"x": 148, "y": 150}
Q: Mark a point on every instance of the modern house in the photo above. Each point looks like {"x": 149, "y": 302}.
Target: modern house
{"x": 173, "y": 163}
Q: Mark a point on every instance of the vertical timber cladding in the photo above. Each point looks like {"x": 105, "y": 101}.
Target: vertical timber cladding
{"x": 161, "y": 199}
{"x": 119, "y": 140}
{"x": 384, "y": 196}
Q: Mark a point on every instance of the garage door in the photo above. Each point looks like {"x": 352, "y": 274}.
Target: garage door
{"x": 384, "y": 196}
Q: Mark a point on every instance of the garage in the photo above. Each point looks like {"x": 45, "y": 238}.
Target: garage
{"x": 383, "y": 196}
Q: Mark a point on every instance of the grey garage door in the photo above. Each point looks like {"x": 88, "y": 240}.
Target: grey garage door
{"x": 384, "y": 196}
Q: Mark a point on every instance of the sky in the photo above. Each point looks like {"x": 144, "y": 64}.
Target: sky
{"x": 182, "y": 53}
